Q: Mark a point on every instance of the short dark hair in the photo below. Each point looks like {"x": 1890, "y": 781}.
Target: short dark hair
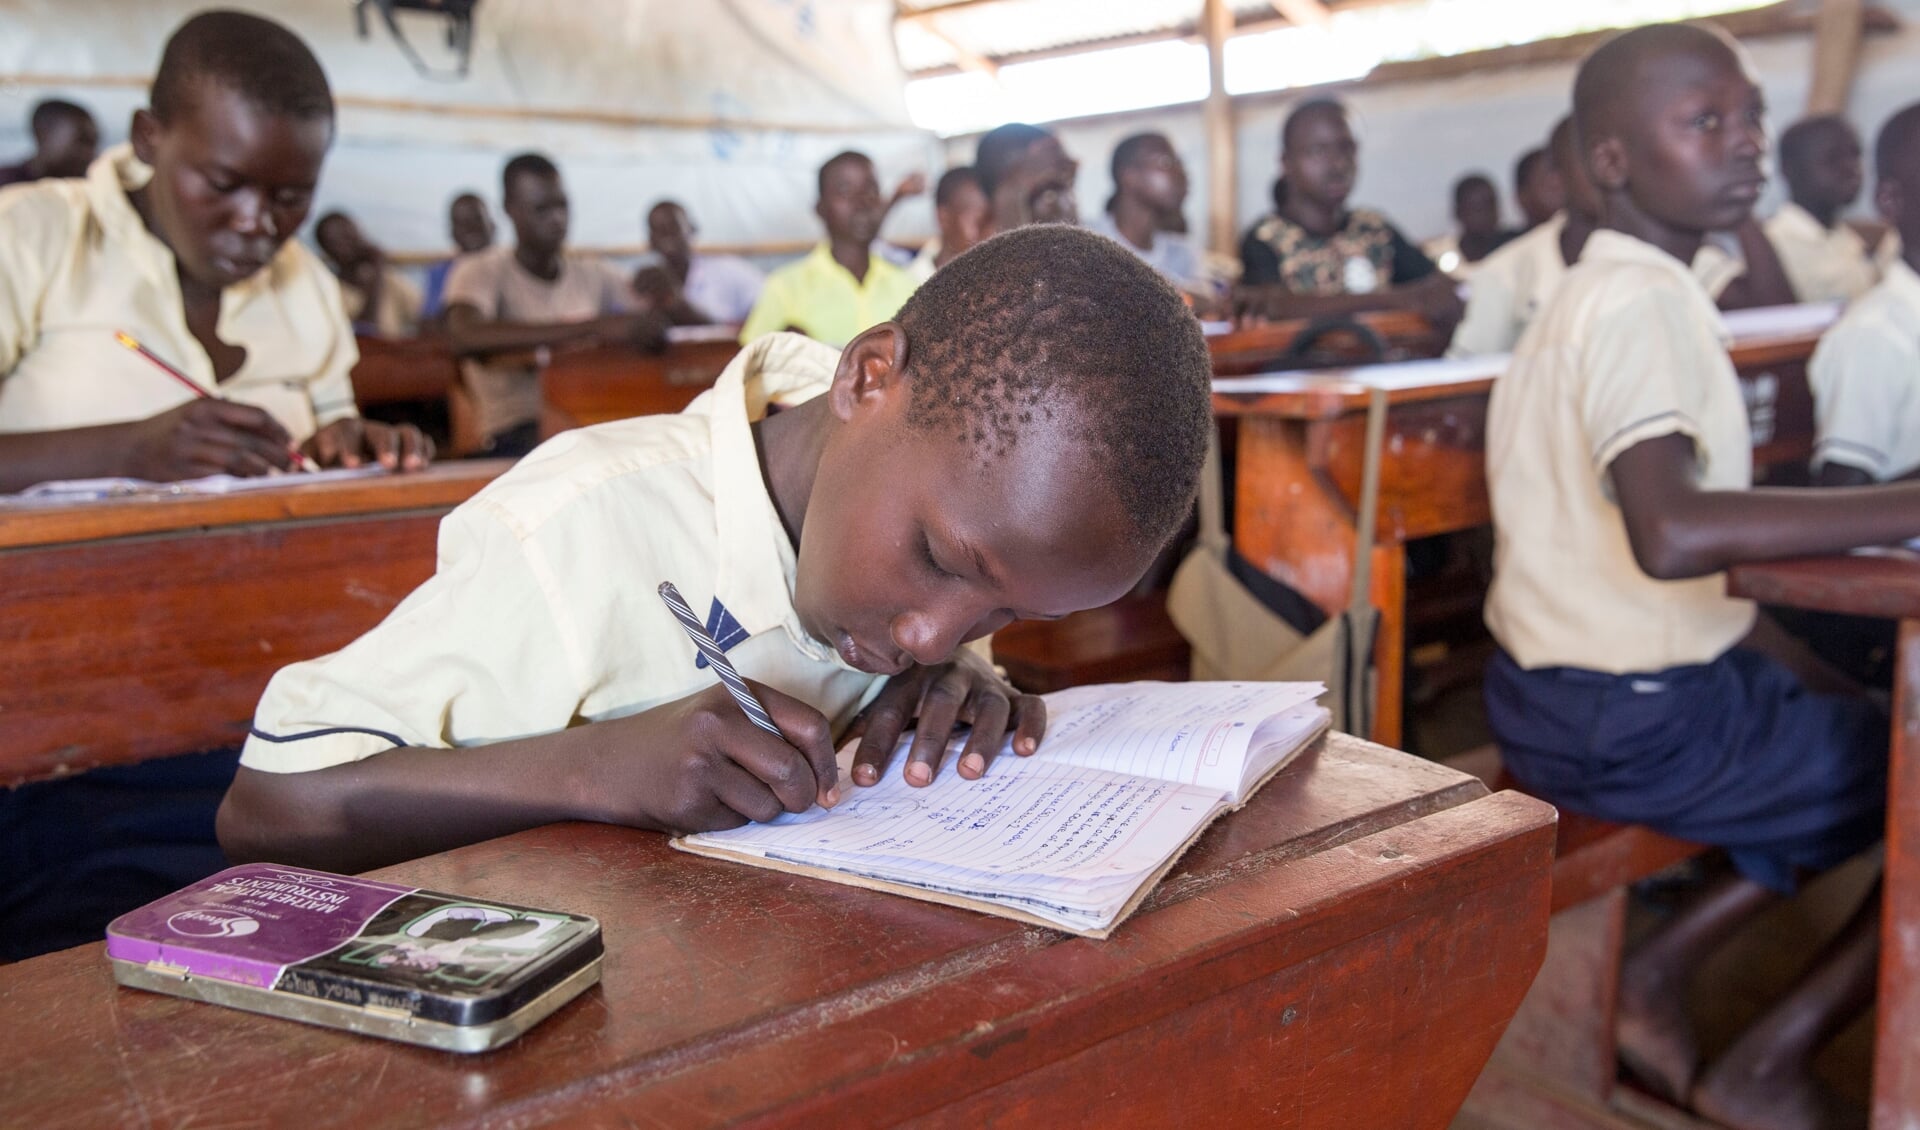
{"x": 526, "y": 164}
{"x": 840, "y": 158}
{"x": 1305, "y": 110}
{"x": 999, "y": 148}
{"x": 1051, "y": 319}
{"x": 1470, "y": 182}
{"x": 1796, "y": 141}
{"x": 254, "y": 57}
{"x": 1603, "y": 87}
{"x": 951, "y": 182}
{"x": 50, "y": 111}
{"x": 1132, "y": 150}
{"x": 1898, "y": 142}
{"x": 1528, "y": 166}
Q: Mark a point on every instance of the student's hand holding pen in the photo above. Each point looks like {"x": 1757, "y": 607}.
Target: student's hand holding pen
{"x": 933, "y": 701}
{"x": 207, "y": 437}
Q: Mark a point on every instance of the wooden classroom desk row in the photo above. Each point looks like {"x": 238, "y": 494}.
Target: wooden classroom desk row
{"x": 1299, "y": 444}
{"x": 1344, "y": 952}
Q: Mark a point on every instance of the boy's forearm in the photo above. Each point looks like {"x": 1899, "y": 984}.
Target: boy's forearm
{"x": 95, "y": 452}
{"x": 406, "y": 803}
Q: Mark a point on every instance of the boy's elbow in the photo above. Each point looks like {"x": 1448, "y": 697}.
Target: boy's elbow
{"x": 1663, "y": 551}
{"x": 259, "y": 821}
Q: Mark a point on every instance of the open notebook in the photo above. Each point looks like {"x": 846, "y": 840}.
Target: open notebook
{"x": 1073, "y": 837}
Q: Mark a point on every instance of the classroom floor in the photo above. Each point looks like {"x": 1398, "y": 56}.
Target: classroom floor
{"x": 1752, "y": 970}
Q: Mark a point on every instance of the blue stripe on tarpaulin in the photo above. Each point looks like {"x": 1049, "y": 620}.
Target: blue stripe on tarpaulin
{"x": 725, "y": 630}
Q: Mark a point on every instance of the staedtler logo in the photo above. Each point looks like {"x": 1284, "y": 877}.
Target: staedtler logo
{"x": 212, "y": 924}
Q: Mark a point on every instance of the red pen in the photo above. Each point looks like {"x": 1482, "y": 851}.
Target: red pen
{"x": 300, "y": 460}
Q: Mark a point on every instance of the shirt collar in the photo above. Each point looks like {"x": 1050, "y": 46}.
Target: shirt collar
{"x": 757, "y": 563}
{"x": 1608, "y": 245}
{"x": 821, "y": 259}
{"x": 1799, "y": 221}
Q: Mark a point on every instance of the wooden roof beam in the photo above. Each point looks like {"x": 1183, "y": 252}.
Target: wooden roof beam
{"x": 1305, "y": 13}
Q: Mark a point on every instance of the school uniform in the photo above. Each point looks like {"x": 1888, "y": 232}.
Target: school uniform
{"x": 543, "y": 611}
{"x": 1866, "y": 381}
{"x": 1172, "y": 254}
{"x": 506, "y": 392}
{"x": 723, "y": 287}
{"x": 1512, "y": 285}
{"x": 398, "y": 312}
{"x": 77, "y": 264}
{"x": 1823, "y": 264}
{"x": 1622, "y": 696}
{"x": 1364, "y": 254}
{"x": 823, "y": 300}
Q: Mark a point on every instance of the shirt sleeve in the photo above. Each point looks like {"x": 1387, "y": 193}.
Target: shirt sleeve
{"x": 1862, "y": 379}
{"x": 1488, "y": 326}
{"x": 769, "y": 313}
{"x": 1410, "y": 264}
{"x": 474, "y": 281}
{"x": 1640, "y": 366}
{"x": 474, "y": 656}
{"x": 32, "y": 233}
{"x": 1259, "y": 265}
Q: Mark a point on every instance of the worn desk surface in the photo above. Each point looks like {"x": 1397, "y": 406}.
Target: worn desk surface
{"x": 400, "y": 370}
{"x": 1253, "y": 349}
{"x": 1885, "y": 585}
{"x": 1343, "y": 952}
{"x": 1299, "y": 439}
{"x": 602, "y": 383}
{"x": 140, "y": 628}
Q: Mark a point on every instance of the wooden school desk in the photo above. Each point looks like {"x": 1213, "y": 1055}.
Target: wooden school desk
{"x": 147, "y": 627}
{"x": 403, "y": 370}
{"x": 1342, "y": 953}
{"x": 1888, "y": 587}
{"x": 591, "y": 386}
{"x": 1404, "y": 334}
{"x": 1300, "y": 439}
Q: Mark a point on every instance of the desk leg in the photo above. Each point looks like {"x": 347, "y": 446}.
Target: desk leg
{"x": 1896, "y": 1065}
{"x": 1389, "y": 643}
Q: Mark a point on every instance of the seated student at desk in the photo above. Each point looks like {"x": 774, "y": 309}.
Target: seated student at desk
{"x": 1476, "y": 209}
{"x": 1825, "y": 259}
{"x": 240, "y": 118}
{"x": 1619, "y": 466}
{"x": 1537, "y": 188}
{"x": 1149, "y": 186}
{"x": 840, "y": 287}
{"x": 65, "y": 141}
{"x": 1027, "y": 176}
{"x": 848, "y": 545}
{"x": 183, "y": 240}
{"x": 1312, "y": 256}
{"x": 960, "y": 211}
{"x": 470, "y": 226}
{"x": 379, "y": 299}
{"x": 507, "y": 305}
{"x": 694, "y": 289}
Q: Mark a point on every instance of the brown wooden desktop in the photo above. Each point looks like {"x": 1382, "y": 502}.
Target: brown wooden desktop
{"x": 1402, "y": 334}
{"x": 602, "y": 383}
{"x": 1885, "y": 586}
{"x": 1344, "y": 952}
{"x": 148, "y": 627}
{"x": 1297, "y": 457}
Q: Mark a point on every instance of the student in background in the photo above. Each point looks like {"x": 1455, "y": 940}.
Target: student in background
{"x": 506, "y": 306}
{"x": 1027, "y": 176}
{"x": 1866, "y": 372}
{"x": 1538, "y": 187}
{"x": 903, "y": 502}
{"x": 183, "y": 239}
{"x": 1619, "y": 465}
{"x": 1825, "y": 259}
{"x": 694, "y": 289}
{"x": 960, "y": 209}
{"x": 1314, "y": 256}
{"x": 841, "y": 287}
{"x": 379, "y": 299}
{"x": 470, "y": 226}
{"x": 1149, "y": 186}
{"x": 1476, "y": 209}
{"x": 65, "y": 141}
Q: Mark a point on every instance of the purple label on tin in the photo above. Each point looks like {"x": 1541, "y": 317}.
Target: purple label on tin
{"x": 247, "y": 923}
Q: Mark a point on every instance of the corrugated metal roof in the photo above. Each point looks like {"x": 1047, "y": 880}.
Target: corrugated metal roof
{"x": 1017, "y": 27}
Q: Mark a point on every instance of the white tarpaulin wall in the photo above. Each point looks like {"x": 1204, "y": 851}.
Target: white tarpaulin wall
{"x": 727, "y": 105}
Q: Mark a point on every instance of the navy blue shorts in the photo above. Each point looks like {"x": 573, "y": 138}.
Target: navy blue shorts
{"x": 1734, "y": 754}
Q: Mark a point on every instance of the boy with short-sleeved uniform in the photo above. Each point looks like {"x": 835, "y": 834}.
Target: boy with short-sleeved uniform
{"x": 1824, "y": 258}
{"x": 1619, "y": 468}
{"x": 1019, "y": 443}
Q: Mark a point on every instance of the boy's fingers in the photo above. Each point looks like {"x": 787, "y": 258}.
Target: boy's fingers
{"x": 416, "y": 450}
{"x": 383, "y": 443}
{"x": 817, "y": 778}
{"x": 739, "y": 791}
{"x": 1029, "y": 723}
{"x": 939, "y": 710}
{"x": 881, "y": 724}
{"x": 990, "y": 712}
{"x": 247, "y": 418}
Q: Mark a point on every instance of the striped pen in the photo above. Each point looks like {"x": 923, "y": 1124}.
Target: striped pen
{"x": 722, "y": 666}
{"x": 300, "y": 459}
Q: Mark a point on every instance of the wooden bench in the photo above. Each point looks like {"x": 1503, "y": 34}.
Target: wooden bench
{"x": 1557, "y": 1065}
{"x": 1132, "y": 638}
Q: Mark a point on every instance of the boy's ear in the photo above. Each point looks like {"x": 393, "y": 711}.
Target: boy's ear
{"x": 1607, "y": 164}
{"x": 145, "y": 135}
{"x": 872, "y": 373}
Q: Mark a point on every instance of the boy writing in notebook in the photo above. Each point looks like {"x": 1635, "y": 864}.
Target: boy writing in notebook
{"x": 183, "y": 240}
{"x": 1619, "y": 465}
{"x": 1018, "y": 443}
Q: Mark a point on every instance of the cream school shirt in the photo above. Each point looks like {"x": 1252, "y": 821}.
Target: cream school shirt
{"x": 1866, "y": 381}
{"x": 1823, "y": 265}
{"x": 1630, "y": 349}
{"x": 543, "y": 611}
{"x": 77, "y": 264}
{"x": 1510, "y": 287}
